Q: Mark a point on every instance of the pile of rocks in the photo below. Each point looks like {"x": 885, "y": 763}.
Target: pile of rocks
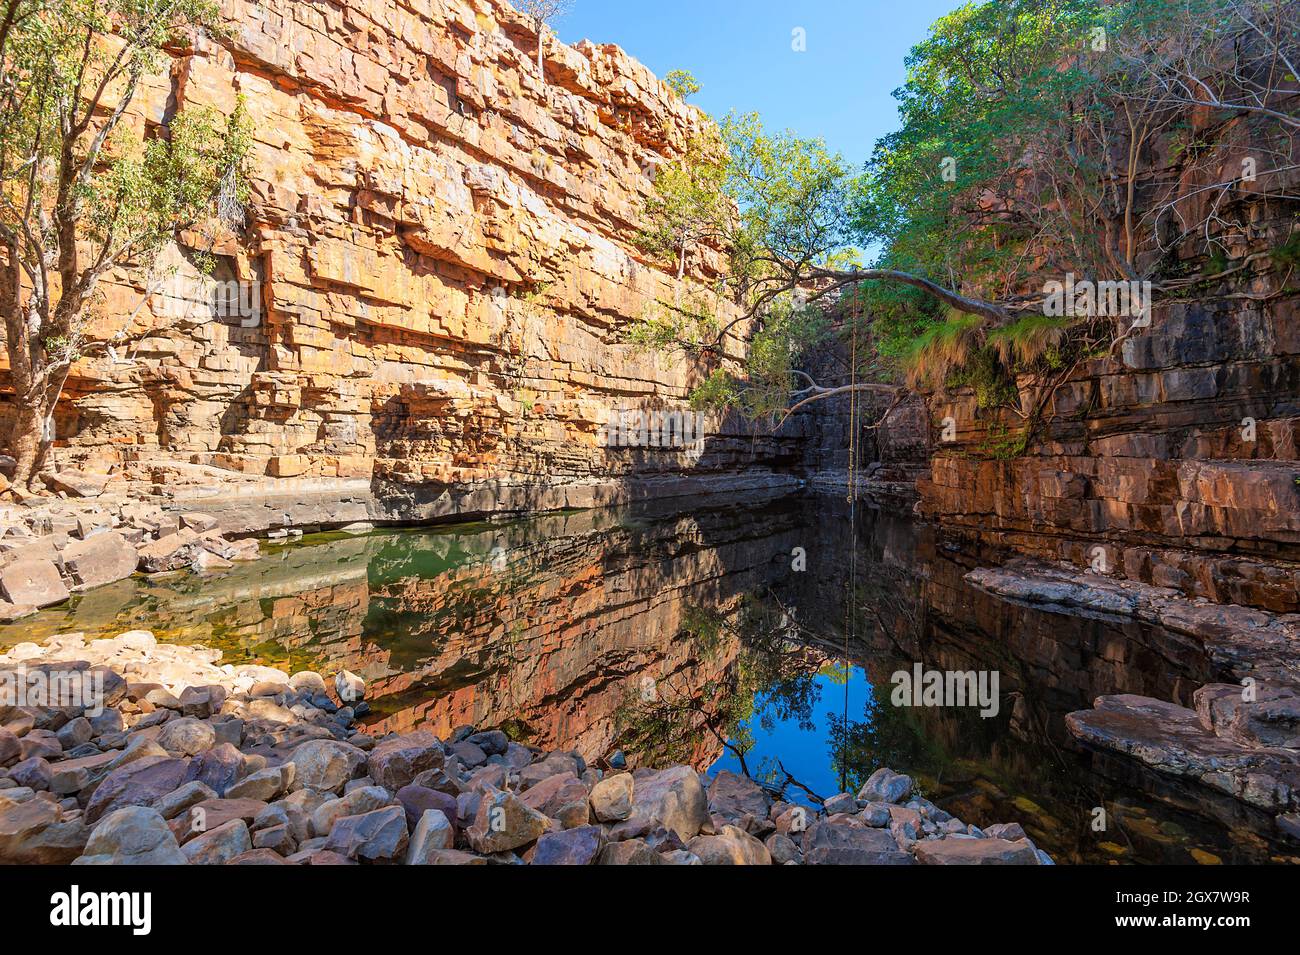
{"x": 51, "y": 548}
{"x": 259, "y": 767}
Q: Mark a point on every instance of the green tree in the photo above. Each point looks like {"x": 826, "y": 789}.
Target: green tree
{"x": 1033, "y": 144}
{"x": 690, "y": 206}
{"x": 682, "y": 83}
{"x": 82, "y": 193}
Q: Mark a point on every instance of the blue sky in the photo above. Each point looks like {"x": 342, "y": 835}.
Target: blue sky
{"x": 740, "y": 51}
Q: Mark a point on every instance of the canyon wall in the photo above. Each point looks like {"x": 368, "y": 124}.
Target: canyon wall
{"x": 434, "y": 272}
{"x": 1173, "y": 464}
{"x": 1172, "y": 458}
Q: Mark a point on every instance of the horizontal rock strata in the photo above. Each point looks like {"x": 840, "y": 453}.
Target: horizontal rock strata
{"x": 440, "y": 261}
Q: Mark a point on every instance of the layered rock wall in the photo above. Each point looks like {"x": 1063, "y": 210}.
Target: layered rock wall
{"x": 1174, "y": 460}
{"x": 437, "y": 263}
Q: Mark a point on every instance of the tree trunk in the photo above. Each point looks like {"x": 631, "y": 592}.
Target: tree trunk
{"x": 27, "y": 437}
{"x": 541, "y": 46}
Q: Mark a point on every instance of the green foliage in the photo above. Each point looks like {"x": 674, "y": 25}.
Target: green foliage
{"x": 689, "y": 205}
{"x": 1003, "y": 444}
{"x": 792, "y": 194}
{"x": 67, "y": 63}
{"x": 1287, "y": 255}
{"x": 682, "y": 83}
{"x": 81, "y": 191}
{"x": 987, "y": 377}
{"x": 771, "y": 369}
{"x": 1022, "y": 124}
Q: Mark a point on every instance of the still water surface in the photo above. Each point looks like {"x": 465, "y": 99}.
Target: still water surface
{"x": 692, "y": 631}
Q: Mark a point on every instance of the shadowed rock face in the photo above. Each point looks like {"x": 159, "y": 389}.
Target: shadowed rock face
{"x": 1174, "y": 464}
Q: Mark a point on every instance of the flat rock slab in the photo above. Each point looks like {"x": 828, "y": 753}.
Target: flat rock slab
{"x": 33, "y": 582}
{"x": 842, "y": 843}
{"x": 1171, "y": 739}
{"x": 100, "y": 559}
{"x": 955, "y": 851}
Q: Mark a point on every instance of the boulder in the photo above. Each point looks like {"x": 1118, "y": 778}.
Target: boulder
{"x": 453, "y": 857}
{"x": 554, "y": 764}
{"x": 611, "y": 798}
{"x": 261, "y": 856}
{"x": 562, "y": 797}
{"x": 782, "y": 849}
{"x": 265, "y": 784}
{"x": 433, "y": 833}
{"x": 75, "y": 732}
{"x": 139, "y": 783}
{"x": 189, "y": 794}
{"x": 325, "y": 765}
{"x": 955, "y": 850}
{"x": 731, "y": 846}
{"x": 491, "y": 742}
{"x": 33, "y": 773}
{"x": 349, "y": 687}
{"x": 186, "y": 737}
{"x": 33, "y": 832}
{"x": 279, "y": 839}
{"x": 218, "y": 846}
{"x": 284, "y": 815}
{"x": 172, "y": 552}
{"x": 202, "y": 702}
{"x": 672, "y": 798}
{"x": 577, "y": 846}
{"x": 10, "y": 750}
{"x": 885, "y": 785}
{"x": 396, "y": 762}
{"x": 843, "y": 843}
{"x": 416, "y": 800}
{"x": 840, "y": 802}
{"x": 101, "y": 559}
{"x": 219, "y": 767}
{"x": 628, "y": 852}
{"x": 34, "y": 582}
{"x": 212, "y": 814}
{"x": 133, "y": 835}
{"x": 504, "y": 822}
{"x": 378, "y": 836}
{"x": 361, "y": 800}
{"x": 69, "y": 776}
{"x": 307, "y": 681}
{"x": 734, "y": 796}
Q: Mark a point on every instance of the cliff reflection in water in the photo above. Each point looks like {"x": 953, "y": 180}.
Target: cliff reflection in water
{"x": 685, "y": 631}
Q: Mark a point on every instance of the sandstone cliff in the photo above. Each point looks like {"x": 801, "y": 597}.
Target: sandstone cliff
{"x": 437, "y": 262}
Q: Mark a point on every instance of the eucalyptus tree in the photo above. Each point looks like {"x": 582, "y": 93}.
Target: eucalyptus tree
{"x": 1038, "y": 140}
{"x": 86, "y": 189}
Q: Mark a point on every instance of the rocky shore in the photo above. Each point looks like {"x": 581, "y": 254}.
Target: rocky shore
{"x": 78, "y": 537}
{"x": 169, "y": 757}
{"x": 1240, "y": 739}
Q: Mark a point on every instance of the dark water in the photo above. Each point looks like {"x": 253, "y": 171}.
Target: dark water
{"x": 757, "y": 636}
